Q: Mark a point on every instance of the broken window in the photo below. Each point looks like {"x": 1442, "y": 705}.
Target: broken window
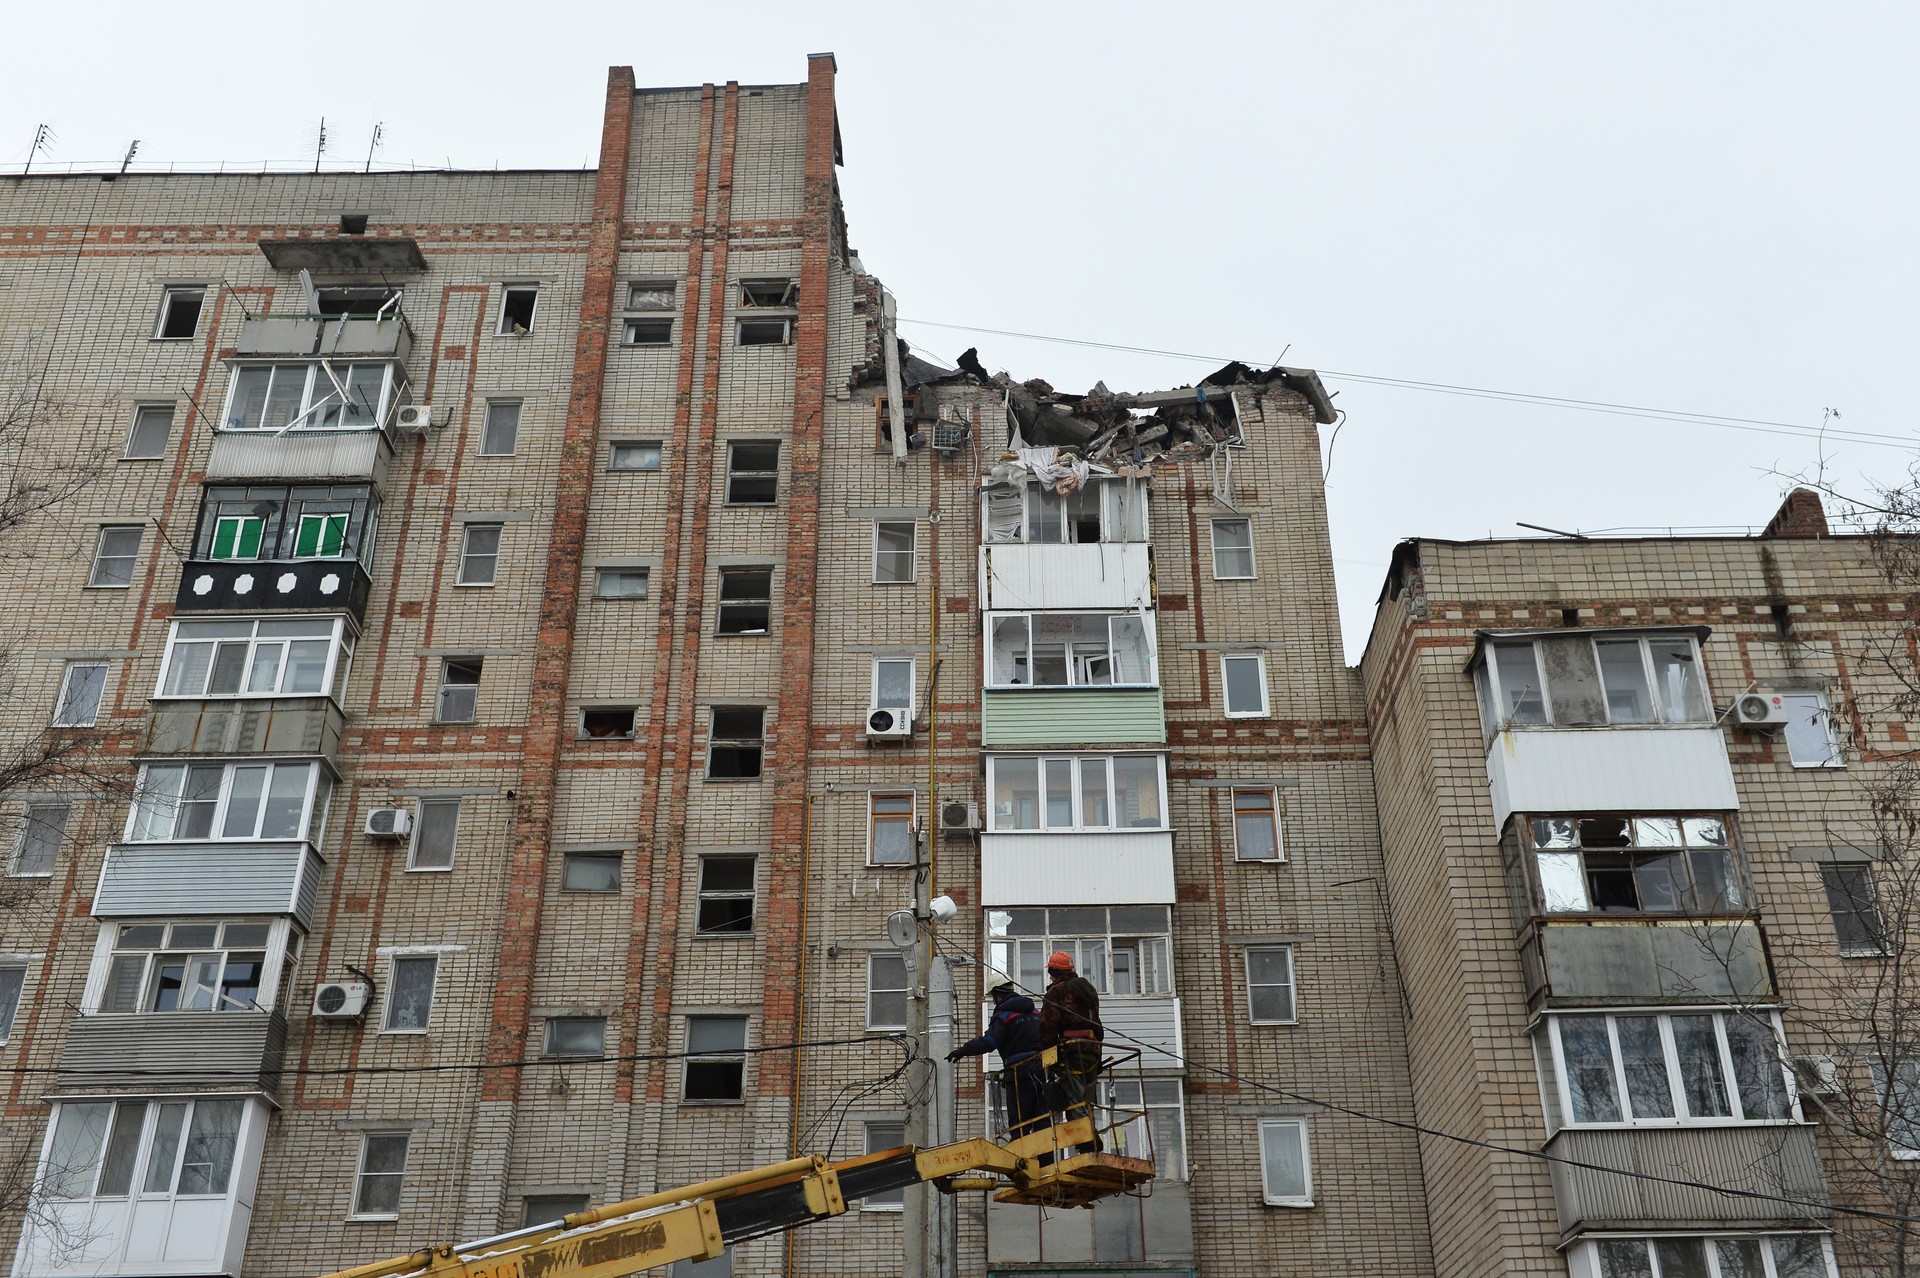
{"x": 716, "y": 1061}
{"x": 620, "y": 583}
{"x": 179, "y": 313}
{"x": 318, "y": 396}
{"x": 1517, "y": 674}
{"x": 1635, "y": 865}
{"x": 893, "y": 551}
{"x": 590, "y": 872}
{"x": 575, "y": 1036}
{"x": 607, "y": 722}
{"x": 726, "y": 896}
{"x": 753, "y": 474}
{"x": 517, "y": 303}
{"x": 647, "y": 332}
{"x": 634, "y": 454}
{"x": 359, "y": 300}
{"x": 651, "y": 295}
{"x": 770, "y": 293}
{"x": 459, "y": 690}
{"x": 78, "y": 704}
{"x": 1232, "y": 549}
{"x": 1244, "y": 677}
{"x": 1005, "y": 507}
{"x": 1070, "y": 649}
{"x": 152, "y": 426}
{"x": 479, "y": 555}
{"x": 436, "y": 825}
{"x": 113, "y": 557}
{"x": 353, "y": 224}
{"x": 746, "y": 601}
{"x": 734, "y": 743}
{"x": 890, "y": 835}
{"x": 765, "y": 332}
{"x": 500, "y": 433}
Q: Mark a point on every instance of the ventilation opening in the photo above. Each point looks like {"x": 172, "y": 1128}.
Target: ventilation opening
{"x": 353, "y": 224}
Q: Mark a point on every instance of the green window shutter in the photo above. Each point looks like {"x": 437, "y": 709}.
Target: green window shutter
{"x": 250, "y": 533}
{"x": 237, "y": 537}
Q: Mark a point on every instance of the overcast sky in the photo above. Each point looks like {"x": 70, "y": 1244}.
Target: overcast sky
{"x": 1693, "y": 208}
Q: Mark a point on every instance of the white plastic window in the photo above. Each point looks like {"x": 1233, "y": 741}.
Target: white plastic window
{"x": 1070, "y": 650}
{"x": 1286, "y": 1175}
{"x": 226, "y": 801}
{"x": 292, "y": 657}
{"x": 1669, "y": 1069}
{"x": 1076, "y": 792}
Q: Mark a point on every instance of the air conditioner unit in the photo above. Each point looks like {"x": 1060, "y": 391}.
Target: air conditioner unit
{"x": 389, "y": 823}
{"x": 341, "y": 1000}
{"x": 1817, "y": 1075}
{"x": 414, "y": 418}
{"x": 889, "y": 721}
{"x": 958, "y": 817}
{"x": 1759, "y": 710}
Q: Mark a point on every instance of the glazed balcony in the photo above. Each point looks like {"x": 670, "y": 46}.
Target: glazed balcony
{"x": 259, "y": 725}
{"x": 1603, "y": 962}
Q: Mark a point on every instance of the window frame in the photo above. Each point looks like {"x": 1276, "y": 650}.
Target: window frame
{"x": 1267, "y": 1195}
{"x": 1585, "y": 1253}
{"x": 13, "y": 992}
{"x": 1498, "y": 717}
{"x": 913, "y": 685}
{"x": 1215, "y": 546}
{"x": 1823, "y": 718}
{"x": 118, "y": 958}
{"x": 17, "y": 865}
{"x": 1169, "y": 1164}
{"x": 167, "y": 295}
{"x": 1093, "y": 952}
{"x": 878, "y": 819}
{"x": 601, "y": 576}
{"x": 1877, "y": 944}
{"x": 1689, "y": 891}
{"x": 316, "y": 799}
{"x": 1548, "y": 1034}
{"x": 447, "y": 666}
{"x": 142, "y": 413}
{"x": 1022, "y": 659}
{"x": 550, "y": 1050}
{"x": 632, "y": 713}
{"x": 95, "y": 577}
{"x": 1291, "y": 984}
{"x": 658, "y": 455}
{"x": 1234, "y": 814}
{"x": 734, "y": 1057}
{"x": 1078, "y": 797}
{"x": 390, "y": 1007}
{"x": 894, "y": 1135}
{"x": 875, "y": 991}
{"x": 658, "y": 327}
{"x": 569, "y": 859}
{"x": 339, "y": 663}
{"x": 757, "y": 745}
{"x": 489, "y": 441}
{"x": 653, "y": 284}
{"x": 186, "y": 1139}
{"x": 1265, "y": 710}
{"x": 438, "y": 803}
{"x": 912, "y": 553}
{"x": 531, "y": 1216}
{"x": 736, "y": 472}
{"x": 470, "y": 556}
{"x": 705, "y": 894}
{"x": 69, "y": 713}
{"x": 508, "y": 289}
{"x": 318, "y": 389}
{"x": 361, "y": 1174}
{"x": 291, "y": 508}
{"x": 750, "y": 605}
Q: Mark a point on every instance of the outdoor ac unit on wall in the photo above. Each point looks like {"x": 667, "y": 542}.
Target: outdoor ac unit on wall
{"x": 414, "y": 418}
{"x": 957, "y": 817}
{"x": 341, "y": 1000}
{"x": 389, "y": 823}
{"x": 889, "y": 721}
{"x": 1817, "y": 1075}
{"x": 1759, "y": 710}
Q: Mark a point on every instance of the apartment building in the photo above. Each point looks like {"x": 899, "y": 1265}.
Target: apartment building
{"x": 525, "y": 635}
{"x": 1626, "y": 789}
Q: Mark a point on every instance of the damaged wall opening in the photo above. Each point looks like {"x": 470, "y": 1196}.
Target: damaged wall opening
{"x": 607, "y": 722}
{"x": 746, "y": 601}
{"x": 734, "y": 744}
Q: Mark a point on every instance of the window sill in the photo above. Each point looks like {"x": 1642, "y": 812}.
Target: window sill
{"x": 1830, "y": 766}
{"x": 1685, "y": 1124}
{"x": 725, "y": 936}
{"x": 1260, "y": 1024}
{"x": 92, "y": 586}
{"x": 891, "y": 1209}
{"x": 908, "y": 582}
{"x": 1249, "y": 577}
{"x": 731, "y": 780}
{"x": 429, "y": 869}
{"x": 174, "y": 339}
{"x": 1259, "y": 860}
{"x": 473, "y": 585}
{"x": 736, "y": 1103}
{"x": 1108, "y": 830}
{"x": 1249, "y": 714}
{"x": 1288, "y": 1202}
{"x": 401, "y": 1033}
{"x": 372, "y": 1219}
{"x": 1855, "y": 953}
{"x": 47, "y": 874}
{"x": 144, "y": 459}
{"x": 453, "y": 723}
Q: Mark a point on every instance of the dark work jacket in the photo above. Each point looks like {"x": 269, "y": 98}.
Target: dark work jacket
{"x": 1071, "y": 1004}
{"x": 1013, "y": 1031}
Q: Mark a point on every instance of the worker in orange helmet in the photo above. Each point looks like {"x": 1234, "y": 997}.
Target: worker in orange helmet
{"x": 1070, "y": 1020}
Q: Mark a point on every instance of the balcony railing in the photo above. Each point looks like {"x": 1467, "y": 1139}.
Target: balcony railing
{"x": 306, "y": 336}
{"x": 141, "y": 879}
{"x": 1774, "y": 1160}
{"x": 173, "y": 1051}
{"x": 278, "y": 585}
{"x": 258, "y": 725}
{"x": 1637, "y": 960}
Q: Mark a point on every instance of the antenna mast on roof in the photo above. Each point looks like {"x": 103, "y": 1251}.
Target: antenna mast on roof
{"x": 374, "y": 144}
{"x": 132, "y": 148}
{"x": 42, "y": 141}
{"x": 320, "y": 146}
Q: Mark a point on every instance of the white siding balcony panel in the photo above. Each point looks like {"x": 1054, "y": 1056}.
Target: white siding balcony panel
{"x": 1651, "y": 769}
{"x": 1148, "y": 1024}
{"x": 1015, "y": 576}
{"x": 1120, "y": 868}
{"x": 140, "y": 879}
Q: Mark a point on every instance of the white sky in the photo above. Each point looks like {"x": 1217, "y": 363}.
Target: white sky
{"x": 1705, "y": 207}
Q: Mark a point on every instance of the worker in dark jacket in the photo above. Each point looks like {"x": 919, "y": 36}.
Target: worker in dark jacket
{"x": 1070, "y": 1020}
{"x": 1014, "y": 1032}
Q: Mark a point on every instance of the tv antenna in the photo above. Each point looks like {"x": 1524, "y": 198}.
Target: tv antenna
{"x": 320, "y": 144}
{"x": 132, "y": 148}
{"x": 42, "y": 141}
{"x": 374, "y": 144}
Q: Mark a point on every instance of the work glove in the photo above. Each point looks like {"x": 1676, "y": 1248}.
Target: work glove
{"x": 954, "y": 1055}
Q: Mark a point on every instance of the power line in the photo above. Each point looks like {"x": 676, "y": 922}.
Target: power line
{"x": 1753, "y": 424}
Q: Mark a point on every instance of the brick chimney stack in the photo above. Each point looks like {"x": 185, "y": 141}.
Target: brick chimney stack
{"x": 1800, "y": 515}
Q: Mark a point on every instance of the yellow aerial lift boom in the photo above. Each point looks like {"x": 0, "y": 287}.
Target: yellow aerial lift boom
{"x": 698, "y": 1222}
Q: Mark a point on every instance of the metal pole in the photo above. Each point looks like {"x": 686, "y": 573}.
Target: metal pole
{"x": 945, "y": 1231}
{"x": 916, "y": 1215}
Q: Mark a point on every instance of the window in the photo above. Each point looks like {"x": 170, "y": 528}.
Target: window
{"x": 316, "y": 396}
{"x": 434, "y": 831}
{"x": 753, "y": 474}
{"x": 320, "y": 536}
{"x": 634, "y": 454}
{"x": 152, "y": 427}
{"x": 174, "y": 802}
{"x": 1665, "y": 1069}
{"x": 734, "y": 742}
{"x": 237, "y": 536}
{"x": 1856, "y": 909}
{"x": 1722, "y": 1256}
{"x": 1634, "y": 865}
{"x": 614, "y": 723}
{"x": 890, "y": 828}
{"x": 1157, "y": 1127}
{"x": 575, "y": 1036}
{"x": 479, "y": 555}
{"x": 646, "y": 332}
{"x": 410, "y": 980}
{"x": 1123, "y": 949}
{"x": 887, "y": 990}
{"x": 1232, "y": 549}
{"x": 1286, "y": 1178}
{"x": 80, "y": 688}
{"x": 500, "y": 432}
{"x": 13, "y": 978}
{"x": 42, "y": 828}
{"x": 542, "y": 1209}
{"x": 880, "y": 1137}
{"x": 1069, "y": 649}
{"x": 179, "y": 313}
{"x": 307, "y": 521}
{"x": 765, "y": 332}
{"x": 716, "y": 1061}
{"x": 113, "y": 557}
{"x": 1811, "y": 739}
{"x": 517, "y": 303}
{"x": 383, "y": 1165}
{"x": 775, "y": 293}
{"x": 1244, "y": 678}
{"x": 652, "y": 295}
{"x": 1902, "y": 1099}
{"x": 364, "y": 300}
{"x": 1256, "y": 826}
{"x": 892, "y": 552}
{"x": 590, "y": 872}
{"x": 620, "y": 583}
{"x": 746, "y": 601}
{"x": 150, "y": 1148}
{"x": 1591, "y": 680}
{"x": 246, "y": 658}
{"x": 893, "y": 683}
{"x": 459, "y": 690}
{"x": 186, "y": 967}
{"x": 725, "y": 907}
{"x": 1270, "y": 985}
{"x": 1076, "y": 792}
{"x": 1098, "y": 510}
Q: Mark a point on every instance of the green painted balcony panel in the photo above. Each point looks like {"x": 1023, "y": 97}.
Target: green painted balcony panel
{"x": 1073, "y": 717}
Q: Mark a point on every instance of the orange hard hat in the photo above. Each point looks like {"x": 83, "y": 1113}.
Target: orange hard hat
{"x": 1059, "y": 961}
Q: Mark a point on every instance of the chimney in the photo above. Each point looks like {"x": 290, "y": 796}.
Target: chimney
{"x": 1800, "y": 515}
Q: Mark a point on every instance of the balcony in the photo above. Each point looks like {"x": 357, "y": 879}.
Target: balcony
{"x": 173, "y": 1051}
{"x": 1154, "y": 1229}
{"x": 343, "y": 456}
{"x": 1765, "y": 1158}
{"x": 1659, "y": 768}
{"x": 325, "y": 337}
{"x": 278, "y": 585}
{"x": 279, "y": 725}
{"x": 1020, "y": 576}
{"x": 142, "y": 879}
{"x": 1597, "y": 962}
{"x": 1072, "y": 717}
{"x": 1119, "y": 867}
